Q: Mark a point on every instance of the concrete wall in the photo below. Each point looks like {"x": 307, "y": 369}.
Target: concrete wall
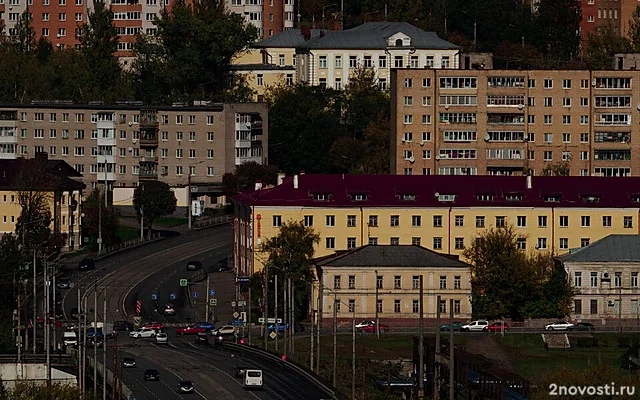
{"x": 10, "y": 373}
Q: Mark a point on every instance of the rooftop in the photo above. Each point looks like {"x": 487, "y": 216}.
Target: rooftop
{"x": 48, "y": 173}
{"x": 612, "y": 248}
{"x": 413, "y": 191}
{"x": 390, "y": 256}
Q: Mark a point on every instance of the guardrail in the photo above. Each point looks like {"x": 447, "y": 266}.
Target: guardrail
{"x": 56, "y": 359}
{"x": 511, "y": 330}
{"x": 271, "y": 357}
{"x": 107, "y": 251}
{"x": 212, "y": 221}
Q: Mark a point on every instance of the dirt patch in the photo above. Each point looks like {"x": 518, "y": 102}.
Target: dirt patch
{"x": 487, "y": 346}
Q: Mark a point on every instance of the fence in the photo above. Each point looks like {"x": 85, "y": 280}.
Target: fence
{"x": 107, "y": 251}
{"x": 212, "y": 221}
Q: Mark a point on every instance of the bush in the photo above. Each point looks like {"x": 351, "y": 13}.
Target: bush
{"x": 631, "y": 352}
{"x": 628, "y": 340}
{"x": 585, "y": 342}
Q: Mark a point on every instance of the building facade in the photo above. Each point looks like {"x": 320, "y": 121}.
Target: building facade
{"x": 59, "y": 185}
{"x": 126, "y": 144}
{"x": 384, "y": 281}
{"x": 605, "y": 278}
{"x": 508, "y": 122}
{"x": 442, "y": 213}
{"x": 270, "y": 17}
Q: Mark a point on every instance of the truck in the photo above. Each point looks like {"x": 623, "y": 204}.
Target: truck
{"x": 251, "y": 378}
{"x": 104, "y": 330}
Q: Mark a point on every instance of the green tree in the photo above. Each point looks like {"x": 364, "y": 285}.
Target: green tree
{"x": 24, "y": 39}
{"x": 36, "y": 391}
{"x": 11, "y": 262}
{"x": 246, "y": 175}
{"x": 153, "y": 199}
{"x": 376, "y": 158}
{"x": 634, "y": 30}
{"x": 346, "y": 155}
{"x": 91, "y": 208}
{"x": 557, "y": 169}
{"x": 558, "y": 29}
{"x": 603, "y": 45}
{"x": 364, "y": 101}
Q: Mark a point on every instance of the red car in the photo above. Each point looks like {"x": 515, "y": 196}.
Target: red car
{"x": 190, "y": 330}
{"x": 497, "y": 327}
{"x": 156, "y": 326}
{"x": 372, "y": 329}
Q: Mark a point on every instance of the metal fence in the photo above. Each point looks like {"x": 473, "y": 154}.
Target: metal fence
{"x": 128, "y": 244}
{"x": 212, "y": 221}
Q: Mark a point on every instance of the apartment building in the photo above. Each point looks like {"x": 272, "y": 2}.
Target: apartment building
{"x": 128, "y": 143}
{"x": 385, "y": 281}
{"x": 604, "y": 276}
{"x": 442, "y": 213}
{"x": 60, "y": 187}
{"x": 59, "y": 21}
{"x": 507, "y": 122}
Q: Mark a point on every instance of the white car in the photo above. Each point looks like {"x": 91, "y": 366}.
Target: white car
{"x": 224, "y": 330}
{"x": 142, "y": 333}
{"x": 558, "y": 326}
{"x": 475, "y": 326}
{"x": 169, "y": 310}
{"x": 364, "y": 324}
{"x": 161, "y": 338}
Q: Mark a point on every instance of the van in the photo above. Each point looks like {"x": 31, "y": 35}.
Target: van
{"x": 252, "y": 379}
{"x": 70, "y": 338}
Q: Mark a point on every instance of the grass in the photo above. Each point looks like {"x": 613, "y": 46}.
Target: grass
{"x": 125, "y": 234}
{"x": 170, "y": 222}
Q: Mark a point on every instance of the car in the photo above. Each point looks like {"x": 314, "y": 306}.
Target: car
{"x": 457, "y": 326}
{"x": 128, "y": 362}
{"x": 475, "y": 326}
{"x": 224, "y": 330}
{"x": 558, "y": 326}
{"x": 201, "y": 338}
{"x": 199, "y": 327}
{"x": 151, "y": 375}
{"x": 582, "y": 326}
{"x": 169, "y": 310}
{"x": 194, "y": 265}
{"x": 142, "y": 333}
{"x": 372, "y": 328}
{"x": 158, "y": 326}
{"x": 162, "y": 338}
{"x": 120, "y": 326}
{"x": 186, "y": 387}
{"x": 497, "y": 327}
{"x": 364, "y": 324}
{"x": 86, "y": 264}
{"x": 64, "y": 283}
{"x": 223, "y": 338}
{"x": 222, "y": 265}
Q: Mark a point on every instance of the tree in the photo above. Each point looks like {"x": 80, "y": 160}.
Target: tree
{"x": 557, "y": 169}
{"x": 364, "y": 101}
{"x": 246, "y": 175}
{"x": 24, "y": 39}
{"x": 634, "y": 30}
{"x": 558, "y": 29}
{"x": 603, "y": 45}
{"x": 346, "y": 155}
{"x": 36, "y": 391}
{"x": 11, "y": 261}
{"x": 376, "y": 158}
{"x": 516, "y": 56}
{"x": 93, "y": 221}
{"x": 153, "y": 199}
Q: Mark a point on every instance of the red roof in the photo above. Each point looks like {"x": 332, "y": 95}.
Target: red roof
{"x": 448, "y": 191}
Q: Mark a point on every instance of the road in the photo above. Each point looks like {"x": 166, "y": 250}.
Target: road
{"x": 156, "y": 269}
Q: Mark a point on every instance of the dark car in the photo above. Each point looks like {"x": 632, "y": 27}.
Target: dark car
{"x": 87, "y": 264}
{"x": 194, "y": 265}
{"x": 128, "y": 362}
{"x": 582, "y": 326}
{"x": 122, "y": 326}
{"x": 186, "y": 387}
{"x": 151, "y": 375}
{"x": 202, "y": 338}
{"x": 457, "y": 325}
{"x": 222, "y": 265}
{"x": 64, "y": 283}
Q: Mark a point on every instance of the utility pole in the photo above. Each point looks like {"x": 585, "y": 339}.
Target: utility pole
{"x": 341, "y": 15}
{"x": 353, "y": 355}
{"x": 275, "y": 293}
{"x": 35, "y": 303}
{"x": 313, "y": 314}
{"x": 79, "y": 346}
{"x": 99, "y": 225}
{"x": 292, "y": 321}
{"x": 206, "y": 315}
{"x": 377, "y": 317}
{"x": 115, "y": 367}
{"x": 420, "y": 370}
{"x": 84, "y": 346}
{"x": 436, "y": 364}
{"x": 141, "y": 216}
{"x": 104, "y": 346}
{"x": 265, "y": 310}
{"x": 451, "y": 353}
{"x": 285, "y": 318}
{"x": 335, "y": 336}
{"x": 95, "y": 336}
{"x": 19, "y": 333}
{"x": 318, "y": 316}
{"x": 189, "y": 212}
{"x": 47, "y": 326}
{"x": 249, "y": 316}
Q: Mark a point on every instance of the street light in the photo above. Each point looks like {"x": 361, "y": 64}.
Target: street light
{"x": 323, "y": 8}
{"x": 189, "y": 213}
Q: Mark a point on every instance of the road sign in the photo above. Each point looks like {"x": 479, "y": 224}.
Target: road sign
{"x": 242, "y": 279}
{"x": 242, "y": 303}
{"x": 184, "y": 282}
{"x": 154, "y": 297}
{"x": 212, "y": 292}
{"x": 195, "y": 294}
{"x": 137, "y": 321}
{"x": 237, "y": 322}
{"x": 213, "y": 302}
{"x": 272, "y": 335}
{"x": 172, "y": 296}
{"x": 236, "y": 315}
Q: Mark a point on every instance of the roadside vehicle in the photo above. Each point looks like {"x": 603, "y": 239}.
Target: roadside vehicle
{"x": 224, "y": 330}
{"x": 142, "y": 333}
{"x": 162, "y": 338}
{"x": 128, "y": 362}
{"x": 194, "y": 265}
{"x": 364, "y": 324}
{"x": 186, "y": 387}
{"x": 70, "y": 338}
{"x": 64, "y": 283}
{"x": 582, "y": 326}
{"x": 497, "y": 327}
{"x": 119, "y": 326}
{"x": 169, "y": 310}
{"x": 558, "y": 326}
{"x": 86, "y": 264}
{"x": 105, "y": 330}
{"x": 372, "y": 329}
{"x": 223, "y": 338}
{"x": 195, "y": 328}
{"x": 457, "y": 326}
{"x": 475, "y": 326}
{"x": 252, "y": 378}
{"x": 158, "y": 326}
{"x": 151, "y": 375}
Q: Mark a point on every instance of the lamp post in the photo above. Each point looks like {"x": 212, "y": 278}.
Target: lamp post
{"x": 325, "y": 7}
{"x": 377, "y": 316}
{"x": 190, "y": 211}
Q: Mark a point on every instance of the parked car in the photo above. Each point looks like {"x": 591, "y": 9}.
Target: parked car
{"x": 498, "y": 327}
{"x": 122, "y": 326}
{"x": 162, "y": 338}
{"x": 63, "y": 283}
{"x": 194, "y": 265}
{"x": 158, "y": 326}
{"x": 195, "y": 328}
{"x": 364, "y": 324}
{"x": 169, "y": 310}
{"x": 142, "y": 333}
{"x": 558, "y": 326}
{"x": 372, "y": 328}
{"x": 151, "y": 375}
{"x": 475, "y": 326}
{"x": 582, "y": 326}
{"x": 186, "y": 387}
{"x": 86, "y": 264}
{"x": 457, "y": 326}
{"x": 128, "y": 362}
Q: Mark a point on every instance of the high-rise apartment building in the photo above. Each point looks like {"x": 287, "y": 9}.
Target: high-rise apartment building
{"x": 269, "y": 16}
{"x": 511, "y": 122}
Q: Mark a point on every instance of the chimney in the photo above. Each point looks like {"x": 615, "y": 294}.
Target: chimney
{"x": 529, "y": 182}
{"x": 295, "y": 181}
{"x": 281, "y": 176}
{"x": 321, "y": 33}
{"x": 258, "y": 185}
{"x": 306, "y": 32}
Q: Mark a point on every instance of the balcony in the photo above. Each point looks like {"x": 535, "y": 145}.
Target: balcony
{"x": 148, "y": 174}
{"x": 242, "y": 160}
{"x": 149, "y": 159}
{"x": 8, "y": 116}
{"x": 108, "y": 158}
{"x": 243, "y": 144}
{"x": 149, "y": 137}
{"x": 7, "y": 137}
{"x": 149, "y": 119}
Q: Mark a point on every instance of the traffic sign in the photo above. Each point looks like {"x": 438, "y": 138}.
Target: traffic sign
{"x": 212, "y": 292}
{"x": 154, "y": 297}
{"x": 237, "y": 322}
{"x": 172, "y": 296}
{"x": 213, "y": 302}
{"x": 184, "y": 282}
{"x": 242, "y": 303}
{"x": 242, "y": 279}
{"x": 236, "y": 315}
{"x": 195, "y": 294}
{"x": 272, "y": 335}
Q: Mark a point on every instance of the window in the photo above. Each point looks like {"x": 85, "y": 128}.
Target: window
{"x": 415, "y": 282}
{"x": 548, "y": 101}
{"x": 353, "y": 62}
{"x": 585, "y": 221}
{"x": 416, "y": 220}
{"x": 566, "y": 83}
{"x": 336, "y": 304}
{"x": 479, "y": 222}
{"x": 577, "y": 306}
{"x": 521, "y": 221}
{"x": 397, "y": 282}
{"x": 352, "y": 305}
{"x": 352, "y": 281}
{"x": 416, "y": 306}
{"x": 628, "y": 222}
{"x": 593, "y": 306}
{"x": 336, "y": 281}
{"x": 351, "y": 221}
{"x": 330, "y": 243}
{"x": 394, "y": 220}
{"x": 373, "y": 241}
{"x": 584, "y": 242}
{"x": 443, "y": 281}
{"x": 617, "y": 279}
{"x": 338, "y": 61}
{"x": 437, "y": 243}
{"x": 500, "y": 222}
{"x": 351, "y": 243}
{"x": 542, "y": 221}
{"x": 548, "y": 83}
{"x": 459, "y": 220}
{"x": 330, "y": 220}
{"x": 382, "y": 62}
{"x": 564, "y": 243}
{"x": 437, "y": 221}
{"x": 322, "y": 62}
{"x": 521, "y": 243}
{"x": 634, "y": 279}
{"x": 277, "y": 220}
{"x": 394, "y": 241}
{"x": 308, "y": 220}
{"x": 373, "y": 220}
{"x": 379, "y": 306}
{"x": 564, "y": 221}
{"x": 459, "y": 243}
{"x": 379, "y": 281}
{"x": 210, "y": 171}
{"x": 443, "y": 306}
{"x": 542, "y": 243}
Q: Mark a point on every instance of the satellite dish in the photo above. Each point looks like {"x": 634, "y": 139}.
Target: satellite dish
{"x": 436, "y": 195}
{"x": 130, "y": 149}
{"x": 130, "y": 124}
{"x": 412, "y": 159}
{"x": 487, "y": 137}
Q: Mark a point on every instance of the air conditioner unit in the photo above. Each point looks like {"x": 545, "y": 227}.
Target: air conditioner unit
{"x": 446, "y": 106}
{"x": 248, "y": 125}
{"x": 404, "y": 140}
{"x": 442, "y": 157}
{"x": 436, "y": 195}
{"x": 606, "y": 276}
{"x": 134, "y": 140}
